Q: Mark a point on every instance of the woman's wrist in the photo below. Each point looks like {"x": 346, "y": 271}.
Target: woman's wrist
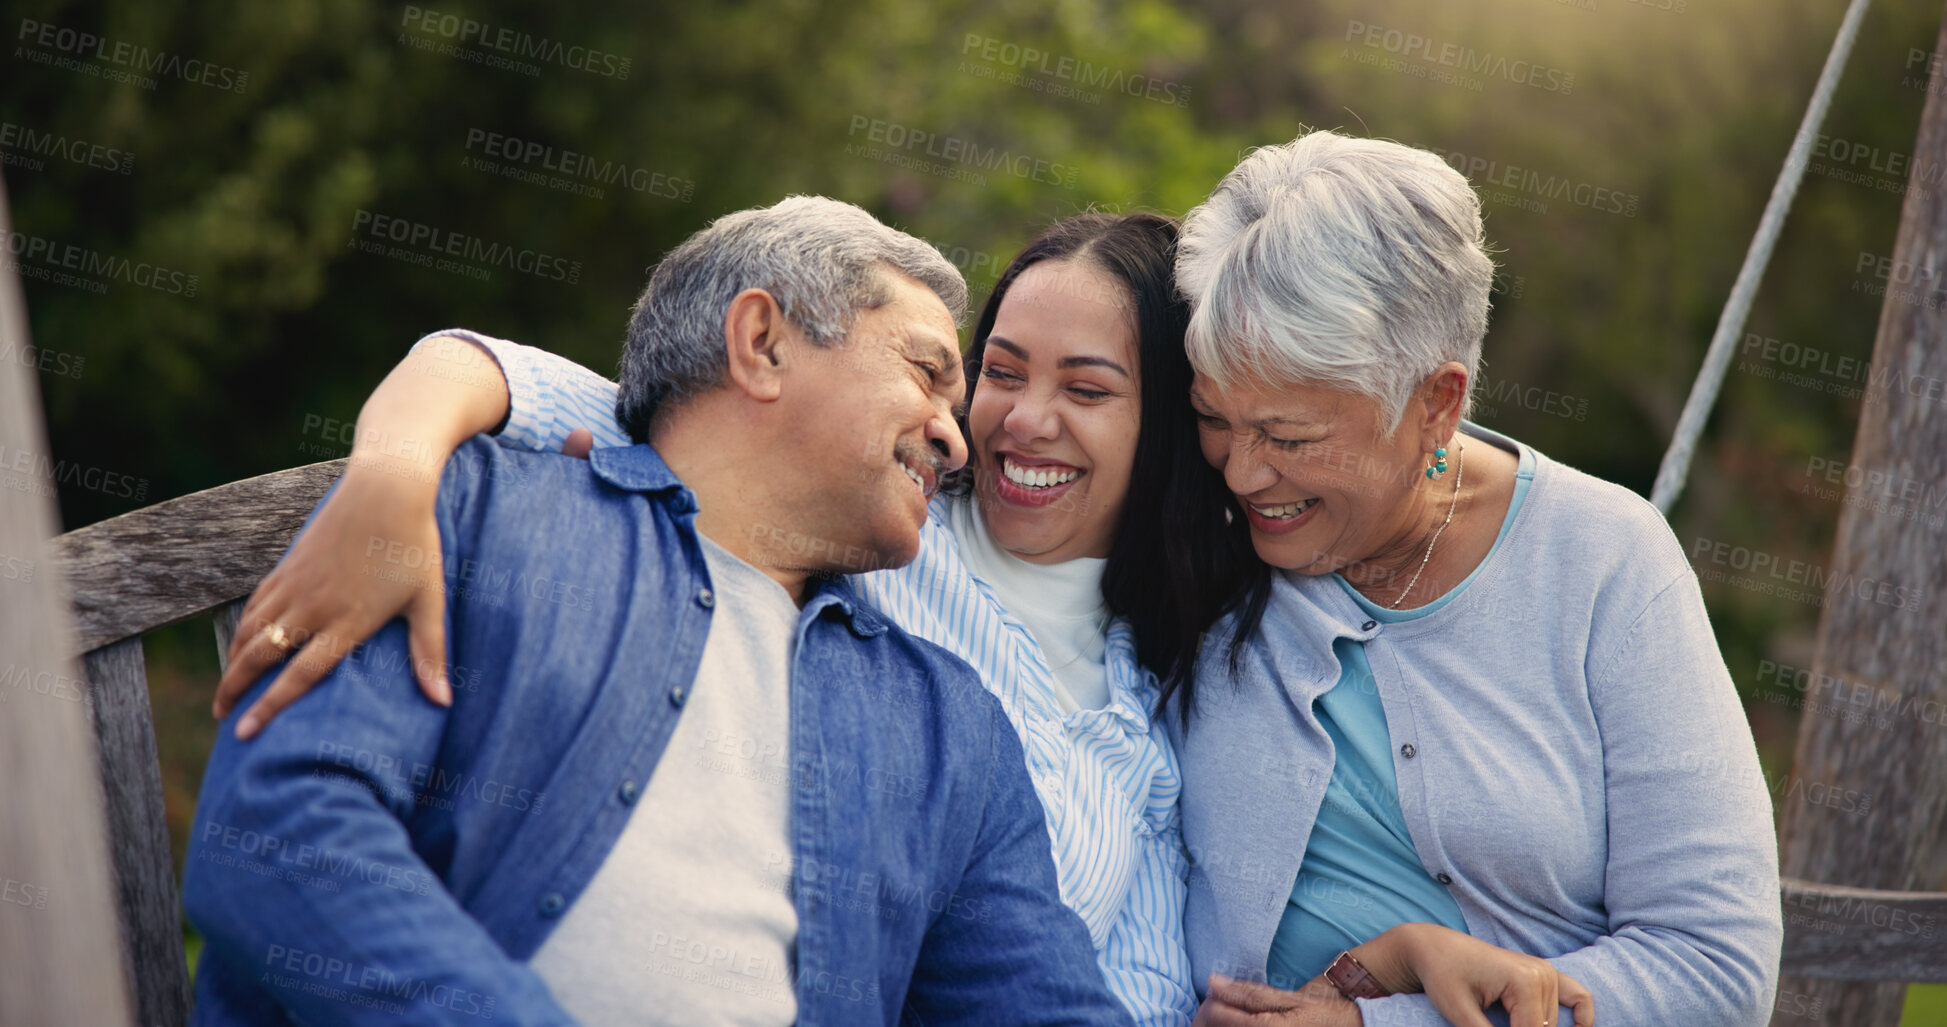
{"x": 422, "y": 411}
{"x": 1392, "y": 957}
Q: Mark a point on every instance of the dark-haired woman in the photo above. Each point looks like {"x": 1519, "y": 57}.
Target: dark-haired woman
{"x": 1059, "y": 568}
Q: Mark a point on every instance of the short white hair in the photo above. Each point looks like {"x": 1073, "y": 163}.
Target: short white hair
{"x": 823, "y": 260}
{"x": 1356, "y": 264}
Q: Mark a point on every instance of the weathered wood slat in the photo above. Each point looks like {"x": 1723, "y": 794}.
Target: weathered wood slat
{"x": 1833, "y": 932}
{"x": 162, "y": 563}
{"x": 138, "y": 836}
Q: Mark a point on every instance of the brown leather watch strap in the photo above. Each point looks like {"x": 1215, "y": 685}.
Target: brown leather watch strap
{"x": 1352, "y": 979}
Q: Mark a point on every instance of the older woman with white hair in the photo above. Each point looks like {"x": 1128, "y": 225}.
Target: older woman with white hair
{"x": 1476, "y": 687}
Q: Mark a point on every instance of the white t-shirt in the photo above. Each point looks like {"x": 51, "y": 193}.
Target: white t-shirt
{"x": 690, "y": 919}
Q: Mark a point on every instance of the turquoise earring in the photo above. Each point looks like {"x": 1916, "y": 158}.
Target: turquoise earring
{"x": 1439, "y": 464}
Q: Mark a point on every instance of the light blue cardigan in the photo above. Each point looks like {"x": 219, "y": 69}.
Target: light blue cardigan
{"x": 1580, "y": 768}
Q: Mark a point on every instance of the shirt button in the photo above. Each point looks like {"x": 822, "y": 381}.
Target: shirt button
{"x": 1408, "y": 751}
{"x": 1443, "y": 878}
{"x": 676, "y": 696}
{"x": 552, "y": 904}
{"x": 705, "y": 598}
{"x": 1369, "y": 625}
{"x": 628, "y": 793}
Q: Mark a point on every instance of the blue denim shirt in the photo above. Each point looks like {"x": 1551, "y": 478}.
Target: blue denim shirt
{"x": 372, "y": 858}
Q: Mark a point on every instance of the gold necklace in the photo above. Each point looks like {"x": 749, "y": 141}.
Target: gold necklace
{"x": 1460, "y": 469}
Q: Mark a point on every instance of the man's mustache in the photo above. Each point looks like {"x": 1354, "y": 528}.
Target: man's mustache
{"x": 922, "y": 456}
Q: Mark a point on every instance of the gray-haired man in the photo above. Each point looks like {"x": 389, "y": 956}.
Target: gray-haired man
{"x": 707, "y": 746}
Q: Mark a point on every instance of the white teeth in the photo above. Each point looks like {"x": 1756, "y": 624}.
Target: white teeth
{"x": 1284, "y": 511}
{"x": 910, "y": 473}
{"x": 1037, "y": 478}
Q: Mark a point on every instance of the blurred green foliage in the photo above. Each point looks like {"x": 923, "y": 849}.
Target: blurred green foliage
{"x": 1600, "y": 321}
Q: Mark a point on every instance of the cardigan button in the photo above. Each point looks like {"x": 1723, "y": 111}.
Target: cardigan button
{"x": 1408, "y": 751}
{"x": 676, "y": 695}
{"x": 1443, "y": 878}
{"x": 1369, "y": 625}
{"x": 628, "y": 793}
{"x": 552, "y": 904}
{"x": 706, "y": 598}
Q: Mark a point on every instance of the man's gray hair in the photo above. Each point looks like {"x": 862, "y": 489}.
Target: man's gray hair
{"x": 823, "y": 260}
{"x": 1356, "y": 264}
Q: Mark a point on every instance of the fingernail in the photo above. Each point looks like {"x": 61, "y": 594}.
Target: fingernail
{"x": 444, "y": 689}
{"x": 247, "y": 727}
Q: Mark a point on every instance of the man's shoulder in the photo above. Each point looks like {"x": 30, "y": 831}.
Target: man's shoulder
{"x": 495, "y": 495}
{"x": 916, "y": 669}
{"x": 546, "y": 541}
{"x": 481, "y": 471}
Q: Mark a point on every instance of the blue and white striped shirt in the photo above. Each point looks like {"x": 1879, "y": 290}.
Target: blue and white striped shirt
{"x": 1107, "y": 777}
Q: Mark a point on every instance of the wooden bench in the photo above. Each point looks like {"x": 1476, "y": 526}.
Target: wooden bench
{"x": 126, "y": 577}
{"x": 207, "y": 551}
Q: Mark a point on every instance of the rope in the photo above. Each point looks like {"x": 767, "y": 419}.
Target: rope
{"x": 1710, "y": 378}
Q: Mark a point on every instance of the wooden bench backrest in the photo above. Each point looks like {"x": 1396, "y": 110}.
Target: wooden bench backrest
{"x": 126, "y": 577}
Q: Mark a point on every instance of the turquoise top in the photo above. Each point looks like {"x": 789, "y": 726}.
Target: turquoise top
{"x": 1361, "y": 874}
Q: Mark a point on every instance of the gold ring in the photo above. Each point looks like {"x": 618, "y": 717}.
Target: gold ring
{"x": 277, "y": 636}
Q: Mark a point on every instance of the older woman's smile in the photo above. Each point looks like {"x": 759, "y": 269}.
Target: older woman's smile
{"x": 1279, "y": 518}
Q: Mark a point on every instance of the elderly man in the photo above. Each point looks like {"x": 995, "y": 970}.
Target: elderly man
{"x": 689, "y": 776}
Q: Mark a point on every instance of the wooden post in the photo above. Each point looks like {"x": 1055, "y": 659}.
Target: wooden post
{"x": 1868, "y": 803}
{"x": 60, "y": 957}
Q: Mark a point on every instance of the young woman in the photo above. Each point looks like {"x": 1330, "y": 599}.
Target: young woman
{"x": 1085, "y": 541}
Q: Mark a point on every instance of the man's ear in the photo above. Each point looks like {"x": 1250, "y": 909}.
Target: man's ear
{"x": 756, "y": 339}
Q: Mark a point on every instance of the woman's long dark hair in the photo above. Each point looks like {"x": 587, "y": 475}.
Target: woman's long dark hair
{"x": 1180, "y": 560}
